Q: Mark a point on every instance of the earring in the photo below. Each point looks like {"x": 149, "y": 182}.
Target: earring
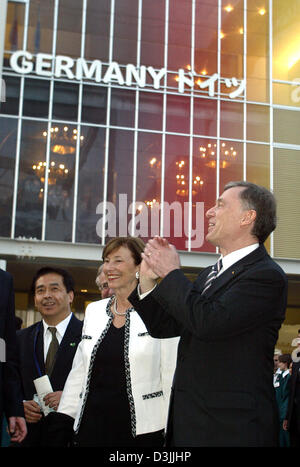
{"x": 137, "y": 275}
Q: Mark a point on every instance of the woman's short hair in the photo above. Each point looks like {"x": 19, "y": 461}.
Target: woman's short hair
{"x": 263, "y": 202}
{"x": 134, "y": 244}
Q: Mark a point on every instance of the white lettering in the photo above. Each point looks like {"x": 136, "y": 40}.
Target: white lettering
{"x": 156, "y": 76}
{"x": 26, "y": 66}
{"x": 82, "y": 69}
{"x": 42, "y": 66}
{"x": 183, "y": 79}
{"x": 113, "y": 73}
{"x": 64, "y": 64}
{"x": 132, "y": 72}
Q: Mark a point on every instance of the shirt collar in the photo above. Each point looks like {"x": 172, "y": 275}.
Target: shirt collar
{"x": 60, "y": 327}
{"x": 236, "y": 256}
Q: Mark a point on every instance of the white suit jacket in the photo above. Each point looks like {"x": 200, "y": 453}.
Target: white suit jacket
{"x": 149, "y": 367}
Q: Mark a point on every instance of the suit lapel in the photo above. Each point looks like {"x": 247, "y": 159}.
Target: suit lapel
{"x": 70, "y": 336}
{"x": 233, "y": 272}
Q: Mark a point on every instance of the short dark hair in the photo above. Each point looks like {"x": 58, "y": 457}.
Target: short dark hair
{"x": 262, "y": 201}
{"x": 285, "y": 358}
{"x": 134, "y": 244}
{"x": 67, "y": 278}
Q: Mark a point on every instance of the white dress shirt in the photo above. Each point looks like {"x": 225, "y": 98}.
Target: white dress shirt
{"x": 236, "y": 256}
{"x": 60, "y": 331}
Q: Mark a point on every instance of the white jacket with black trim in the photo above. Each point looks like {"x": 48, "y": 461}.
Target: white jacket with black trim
{"x": 149, "y": 366}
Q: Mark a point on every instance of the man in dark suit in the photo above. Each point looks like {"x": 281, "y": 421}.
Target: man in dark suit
{"x": 292, "y": 421}
{"x": 228, "y": 321}
{"x": 10, "y": 385}
{"x": 53, "y": 290}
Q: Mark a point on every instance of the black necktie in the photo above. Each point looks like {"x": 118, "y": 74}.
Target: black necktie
{"x": 216, "y": 268}
{"x": 53, "y": 347}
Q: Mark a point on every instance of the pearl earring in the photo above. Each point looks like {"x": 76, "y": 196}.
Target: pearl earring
{"x": 137, "y": 275}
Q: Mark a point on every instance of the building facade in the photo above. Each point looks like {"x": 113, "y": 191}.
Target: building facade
{"x": 128, "y": 117}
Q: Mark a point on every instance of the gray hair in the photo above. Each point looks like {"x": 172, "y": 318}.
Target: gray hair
{"x": 263, "y": 202}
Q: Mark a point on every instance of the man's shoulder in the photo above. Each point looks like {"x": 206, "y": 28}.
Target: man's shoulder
{"x": 5, "y": 276}
{"x": 29, "y": 331}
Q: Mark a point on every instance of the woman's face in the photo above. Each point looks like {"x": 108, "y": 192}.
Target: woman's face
{"x": 120, "y": 269}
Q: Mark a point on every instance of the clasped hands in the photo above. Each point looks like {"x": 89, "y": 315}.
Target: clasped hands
{"x": 159, "y": 259}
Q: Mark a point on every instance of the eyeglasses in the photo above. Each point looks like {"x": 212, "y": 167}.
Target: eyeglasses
{"x": 103, "y": 286}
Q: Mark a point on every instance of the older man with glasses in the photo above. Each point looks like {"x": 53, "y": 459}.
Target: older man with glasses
{"x": 101, "y": 281}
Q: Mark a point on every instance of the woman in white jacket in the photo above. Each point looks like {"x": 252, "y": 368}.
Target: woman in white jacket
{"x": 118, "y": 390}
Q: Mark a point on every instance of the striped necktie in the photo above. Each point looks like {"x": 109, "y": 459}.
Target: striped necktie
{"x": 216, "y": 268}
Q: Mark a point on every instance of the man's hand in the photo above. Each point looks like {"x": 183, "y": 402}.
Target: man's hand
{"x": 52, "y": 399}
{"x": 161, "y": 257}
{"x": 17, "y": 429}
{"x": 285, "y": 425}
{"x": 32, "y": 411}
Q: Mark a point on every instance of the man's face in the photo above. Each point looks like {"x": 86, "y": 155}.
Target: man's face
{"x": 102, "y": 283}
{"x": 51, "y": 298}
{"x": 224, "y": 220}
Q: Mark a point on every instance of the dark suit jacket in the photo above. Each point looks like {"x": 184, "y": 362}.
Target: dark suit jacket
{"x": 30, "y": 345}
{"x": 292, "y": 396}
{"x": 223, "y": 391}
{"x": 10, "y": 385}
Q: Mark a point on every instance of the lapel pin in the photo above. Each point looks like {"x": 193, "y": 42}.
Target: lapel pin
{"x": 72, "y": 344}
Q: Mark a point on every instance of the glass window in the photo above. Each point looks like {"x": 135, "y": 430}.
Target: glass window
{"x": 14, "y": 26}
{"x": 286, "y": 126}
{"x": 232, "y": 40}
{"x": 287, "y": 190}
{"x": 176, "y": 194}
{"x": 258, "y": 122}
{"x": 287, "y": 94}
{"x": 90, "y": 184}
{"x": 40, "y": 27}
{"x": 122, "y": 107}
{"x": 69, "y": 25}
{"x": 97, "y": 30}
{"x": 36, "y": 98}
{"x": 178, "y": 114}
{"x": 8, "y": 137}
{"x": 231, "y": 162}
{"x": 232, "y": 116}
{"x": 65, "y": 101}
{"x": 203, "y": 190}
{"x": 31, "y": 181}
{"x": 125, "y": 31}
{"x": 94, "y": 104}
{"x": 179, "y": 37}
{"x": 150, "y": 110}
{"x": 120, "y": 176}
{"x": 205, "y": 117}
{"x": 153, "y": 34}
{"x": 148, "y": 184}
{"x": 258, "y": 169}
{"x": 258, "y": 51}
{"x": 258, "y": 164}
{"x": 12, "y": 93}
{"x": 63, "y": 142}
{"x": 206, "y": 44}
{"x": 286, "y": 58}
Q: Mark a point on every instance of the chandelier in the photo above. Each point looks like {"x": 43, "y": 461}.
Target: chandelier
{"x": 63, "y": 139}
